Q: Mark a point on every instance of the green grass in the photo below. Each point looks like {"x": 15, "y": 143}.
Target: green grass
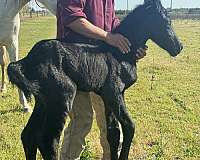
{"x": 166, "y": 109}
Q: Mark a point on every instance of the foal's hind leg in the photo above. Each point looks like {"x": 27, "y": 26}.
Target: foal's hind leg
{"x": 31, "y": 131}
{"x": 50, "y": 136}
{"x": 58, "y": 107}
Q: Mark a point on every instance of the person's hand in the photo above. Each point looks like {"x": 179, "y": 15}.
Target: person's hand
{"x": 119, "y": 41}
{"x": 141, "y": 53}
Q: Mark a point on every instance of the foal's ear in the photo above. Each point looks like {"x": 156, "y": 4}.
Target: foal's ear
{"x": 153, "y": 3}
{"x": 145, "y": 1}
{"x": 148, "y": 1}
{"x": 157, "y": 2}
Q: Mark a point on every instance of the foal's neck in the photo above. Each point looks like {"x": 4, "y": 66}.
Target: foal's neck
{"x": 134, "y": 31}
{"x": 131, "y": 27}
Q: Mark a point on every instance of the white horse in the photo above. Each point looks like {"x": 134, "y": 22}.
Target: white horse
{"x": 9, "y": 32}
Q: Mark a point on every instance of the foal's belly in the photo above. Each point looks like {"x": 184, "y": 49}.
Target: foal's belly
{"x": 91, "y": 73}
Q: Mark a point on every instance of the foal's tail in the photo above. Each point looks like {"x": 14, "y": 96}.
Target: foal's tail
{"x": 17, "y": 77}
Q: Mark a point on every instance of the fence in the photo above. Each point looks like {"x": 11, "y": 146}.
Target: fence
{"x": 34, "y": 13}
{"x": 174, "y": 15}
{"x": 193, "y": 16}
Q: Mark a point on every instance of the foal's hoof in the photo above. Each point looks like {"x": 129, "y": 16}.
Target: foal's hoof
{"x": 27, "y": 109}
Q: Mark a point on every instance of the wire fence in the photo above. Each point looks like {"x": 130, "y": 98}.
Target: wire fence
{"x": 32, "y": 9}
{"x": 183, "y": 13}
{"x": 193, "y": 16}
{"x": 32, "y": 14}
{"x": 173, "y": 15}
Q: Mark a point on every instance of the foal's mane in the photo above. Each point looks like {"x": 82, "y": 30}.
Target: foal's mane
{"x": 131, "y": 17}
{"x": 138, "y": 13}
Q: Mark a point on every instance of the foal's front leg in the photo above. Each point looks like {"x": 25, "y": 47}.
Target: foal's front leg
{"x": 113, "y": 133}
{"x": 115, "y": 100}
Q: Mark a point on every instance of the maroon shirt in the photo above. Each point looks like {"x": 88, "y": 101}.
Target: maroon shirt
{"x": 98, "y": 12}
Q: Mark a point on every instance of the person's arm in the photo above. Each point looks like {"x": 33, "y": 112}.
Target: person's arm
{"x": 84, "y": 27}
{"x": 141, "y": 52}
{"x": 72, "y": 16}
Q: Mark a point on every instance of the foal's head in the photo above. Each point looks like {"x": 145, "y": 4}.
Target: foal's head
{"x": 160, "y": 29}
{"x": 150, "y": 21}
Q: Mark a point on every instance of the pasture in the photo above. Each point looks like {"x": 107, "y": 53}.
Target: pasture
{"x": 164, "y": 103}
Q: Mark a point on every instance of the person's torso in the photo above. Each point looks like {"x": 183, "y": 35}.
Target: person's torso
{"x": 99, "y": 13}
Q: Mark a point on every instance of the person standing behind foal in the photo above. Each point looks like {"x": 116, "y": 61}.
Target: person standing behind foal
{"x": 87, "y": 21}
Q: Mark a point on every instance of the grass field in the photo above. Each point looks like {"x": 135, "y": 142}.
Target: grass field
{"x": 166, "y": 108}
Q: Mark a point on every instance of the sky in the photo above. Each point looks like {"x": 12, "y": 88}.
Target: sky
{"x": 121, "y": 4}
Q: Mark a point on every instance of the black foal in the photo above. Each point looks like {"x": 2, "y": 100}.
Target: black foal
{"x": 53, "y": 71}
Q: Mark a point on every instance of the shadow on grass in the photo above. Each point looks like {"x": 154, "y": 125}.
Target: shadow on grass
{"x": 15, "y": 110}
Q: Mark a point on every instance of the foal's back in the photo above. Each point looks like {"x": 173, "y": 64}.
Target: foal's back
{"x": 86, "y": 65}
